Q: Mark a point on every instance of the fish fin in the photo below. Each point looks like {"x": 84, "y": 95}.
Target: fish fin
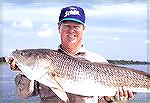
{"x": 58, "y": 89}
{"x": 51, "y": 81}
{"x": 60, "y": 93}
{"x": 31, "y": 87}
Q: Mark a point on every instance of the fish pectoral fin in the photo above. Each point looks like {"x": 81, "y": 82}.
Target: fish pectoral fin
{"x": 61, "y": 94}
{"x": 50, "y": 80}
{"x": 57, "y": 88}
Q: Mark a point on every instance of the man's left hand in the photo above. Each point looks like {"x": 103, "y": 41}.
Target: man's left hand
{"x": 124, "y": 94}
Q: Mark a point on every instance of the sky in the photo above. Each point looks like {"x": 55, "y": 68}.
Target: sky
{"x": 116, "y": 29}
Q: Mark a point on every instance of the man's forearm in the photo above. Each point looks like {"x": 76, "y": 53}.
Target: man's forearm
{"x": 24, "y": 86}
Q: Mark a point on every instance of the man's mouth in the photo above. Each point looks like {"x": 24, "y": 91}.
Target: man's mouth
{"x": 71, "y": 38}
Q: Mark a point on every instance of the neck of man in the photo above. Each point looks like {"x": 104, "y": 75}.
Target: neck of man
{"x": 70, "y": 51}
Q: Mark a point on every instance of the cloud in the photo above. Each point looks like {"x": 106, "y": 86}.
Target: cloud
{"x": 23, "y": 24}
{"x": 116, "y": 38}
{"x": 18, "y": 35}
{"x": 44, "y": 26}
{"x": 127, "y": 10}
{"x": 45, "y": 33}
{"x": 26, "y": 24}
{"x": 147, "y": 41}
{"x": 101, "y": 41}
{"x": 102, "y": 30}
{"x": 38, "y": 12}
{"x": 15, "y": 25}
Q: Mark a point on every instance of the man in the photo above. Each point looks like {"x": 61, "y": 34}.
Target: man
{"x": 71, "y": 26}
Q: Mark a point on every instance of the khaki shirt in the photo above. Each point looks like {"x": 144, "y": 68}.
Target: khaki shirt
{"x": 25, "y": 90}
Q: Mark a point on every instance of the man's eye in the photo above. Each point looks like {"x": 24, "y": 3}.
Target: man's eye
{"x": 76, "y": 27}
{"x": 66, "y": 26}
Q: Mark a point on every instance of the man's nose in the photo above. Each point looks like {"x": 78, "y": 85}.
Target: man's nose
{"x": 71, "y": 29}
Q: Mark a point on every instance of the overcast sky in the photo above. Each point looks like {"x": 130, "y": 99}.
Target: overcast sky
{"x": 116, "y": 30}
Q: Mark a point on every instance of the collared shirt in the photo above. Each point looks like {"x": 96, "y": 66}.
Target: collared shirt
{"x": 88, "y": 55}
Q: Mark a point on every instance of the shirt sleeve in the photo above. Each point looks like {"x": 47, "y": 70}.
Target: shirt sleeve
{"x": 24, "y": 86}
{"x": 94, "y": 57}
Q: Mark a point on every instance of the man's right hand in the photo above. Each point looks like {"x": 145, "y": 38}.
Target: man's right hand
{"x": 12, "y": 63}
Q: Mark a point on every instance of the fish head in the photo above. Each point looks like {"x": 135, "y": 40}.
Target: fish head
{"x": 22, "y": 56}
{"x": 22, "y": 53}
{"x": 34, "y": 63}
{"x": 32, "y": 57}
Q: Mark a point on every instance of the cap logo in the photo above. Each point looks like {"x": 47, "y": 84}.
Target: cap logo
{"x": 73, "y": 11}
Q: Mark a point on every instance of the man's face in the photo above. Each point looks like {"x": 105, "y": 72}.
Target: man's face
{"x": 71, "y": 33}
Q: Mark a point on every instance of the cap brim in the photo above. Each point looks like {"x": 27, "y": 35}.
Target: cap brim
{"x": 72, "y": 19}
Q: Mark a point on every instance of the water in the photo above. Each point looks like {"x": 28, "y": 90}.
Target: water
{"x": 8, "y": 89}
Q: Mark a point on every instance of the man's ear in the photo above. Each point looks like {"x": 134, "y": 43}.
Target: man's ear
{"x": 59, "y": 27}
{"x": 84, "y": 26}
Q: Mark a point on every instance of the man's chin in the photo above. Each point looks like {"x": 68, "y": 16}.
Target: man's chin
{"x": 72, "y": 42}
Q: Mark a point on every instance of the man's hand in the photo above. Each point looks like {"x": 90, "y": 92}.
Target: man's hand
{"x": 12, "y": 63}
{"x": 124, "y": 94}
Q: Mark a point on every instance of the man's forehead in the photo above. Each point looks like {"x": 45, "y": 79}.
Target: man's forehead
{"x": 71, "y": 22}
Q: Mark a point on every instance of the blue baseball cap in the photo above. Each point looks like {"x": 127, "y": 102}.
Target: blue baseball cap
{"x": 72, "y": 13}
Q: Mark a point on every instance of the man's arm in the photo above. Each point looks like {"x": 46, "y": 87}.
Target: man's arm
{"x": 24, "y": 87}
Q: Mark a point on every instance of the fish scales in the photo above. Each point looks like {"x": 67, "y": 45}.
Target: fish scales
{"x": 71, "y": 70}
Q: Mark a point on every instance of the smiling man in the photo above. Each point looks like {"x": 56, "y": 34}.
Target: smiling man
{"x": 71, "y": 26}
{"x": 71, "y": 36}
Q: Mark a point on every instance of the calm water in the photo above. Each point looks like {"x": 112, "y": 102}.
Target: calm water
{"x": 8, "y": 92}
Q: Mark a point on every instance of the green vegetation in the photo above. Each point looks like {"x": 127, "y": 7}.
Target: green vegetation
{"x": 2, "y": 59}
{"x": 117, "y": 62}
{"x": 128, "y": 62}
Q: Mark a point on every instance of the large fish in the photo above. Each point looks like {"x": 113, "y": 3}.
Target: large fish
{"x": 63, "y": 73}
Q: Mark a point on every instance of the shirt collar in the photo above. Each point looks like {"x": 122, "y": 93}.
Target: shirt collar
{"x": 82, "y": 50}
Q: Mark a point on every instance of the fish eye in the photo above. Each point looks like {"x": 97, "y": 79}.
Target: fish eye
{"x": 22, "y": 53}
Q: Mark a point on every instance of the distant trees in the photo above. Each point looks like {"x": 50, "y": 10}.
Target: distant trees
{"x": 2, "y": 59}
{"x": 126, "y": 62}
{"x": 117, "y": 62}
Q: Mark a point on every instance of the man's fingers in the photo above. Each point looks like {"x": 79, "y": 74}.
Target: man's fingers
{"x": 120, "y": 92}
{"x": 125, "y": 91}
{"x": 131, "y": 94}
{"x": 12, "y": 65}
{"x": 9, "y": 59}
{"x": 117, "y": 96}
{"x": 11, "y": 62}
